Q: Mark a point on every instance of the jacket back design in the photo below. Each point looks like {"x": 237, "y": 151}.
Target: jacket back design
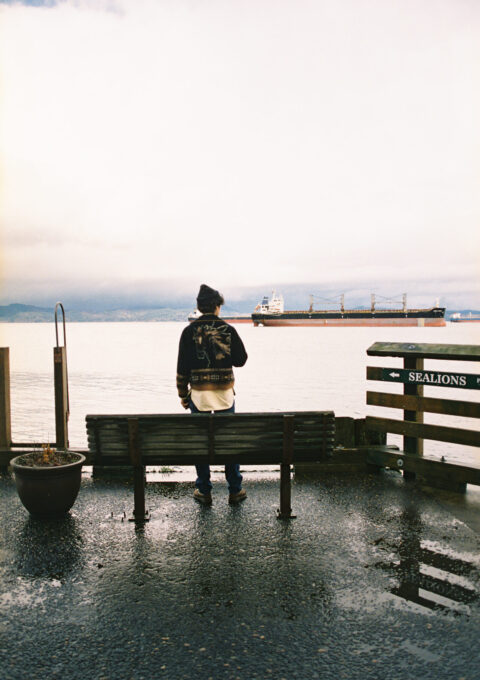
{"x": 209, "y": 348}
{"x": 212, "y": 342}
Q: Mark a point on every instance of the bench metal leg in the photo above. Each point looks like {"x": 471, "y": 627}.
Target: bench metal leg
{"x": 285, "y": 511}
{"x": 139, "y": 514}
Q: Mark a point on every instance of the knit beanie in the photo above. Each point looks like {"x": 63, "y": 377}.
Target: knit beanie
{"x": 208, "y": 298}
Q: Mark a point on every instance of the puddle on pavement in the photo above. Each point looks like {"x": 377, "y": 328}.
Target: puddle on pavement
{"x": 428, "y": 574}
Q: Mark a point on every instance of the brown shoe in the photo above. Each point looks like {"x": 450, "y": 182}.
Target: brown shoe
{"x": 204, "y": 498}
{"x": 237, "y": 497}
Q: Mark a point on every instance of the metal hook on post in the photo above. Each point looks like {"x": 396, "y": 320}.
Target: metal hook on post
{"x": 59, "y": 304}
{"x": 62, "y": 400}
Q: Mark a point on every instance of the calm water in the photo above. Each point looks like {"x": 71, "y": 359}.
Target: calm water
{"x": 130, "y": 368}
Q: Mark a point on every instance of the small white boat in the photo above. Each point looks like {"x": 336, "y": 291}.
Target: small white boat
{"x": 471, "y": 317}
{"x": 237, "y": 318}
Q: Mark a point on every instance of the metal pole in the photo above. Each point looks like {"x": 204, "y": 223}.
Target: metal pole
{"x": 61, "y": 397}
{"x": 5, "y": 408}
{"x": 59, "y": 304}
{"x": 60, "y": 374}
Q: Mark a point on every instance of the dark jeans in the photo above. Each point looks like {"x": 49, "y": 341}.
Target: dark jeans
{"x": 232, "y": 470}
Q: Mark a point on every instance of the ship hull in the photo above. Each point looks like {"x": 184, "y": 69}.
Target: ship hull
{"x": 237, "y": 319}
{"x": 350, "y": 322}
{"x": 363, "y": 318}
{"x": 228, "y": 319}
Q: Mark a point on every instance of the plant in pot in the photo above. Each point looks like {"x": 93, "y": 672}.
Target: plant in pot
{"x": 48, "y": 480}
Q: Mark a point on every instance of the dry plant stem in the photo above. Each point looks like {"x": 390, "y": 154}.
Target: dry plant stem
{"x": 48, "y": 457}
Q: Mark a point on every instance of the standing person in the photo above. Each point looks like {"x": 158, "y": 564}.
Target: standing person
{"x": 209, "y": 348}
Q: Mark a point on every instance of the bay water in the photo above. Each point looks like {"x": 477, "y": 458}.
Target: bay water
{"x": 130, "y": 368}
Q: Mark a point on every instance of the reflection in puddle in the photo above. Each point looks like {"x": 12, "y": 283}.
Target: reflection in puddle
{"x": 427, "y": 577}
{"x": 49, "y": 548}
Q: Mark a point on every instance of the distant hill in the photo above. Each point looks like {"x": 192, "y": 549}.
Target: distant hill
{"x": 164, "y": 314}
{"x": 18, "y": 313}
{"x": 25, "y": 313}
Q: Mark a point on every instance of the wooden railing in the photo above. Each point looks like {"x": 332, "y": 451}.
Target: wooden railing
{"x": 414, "y": 377}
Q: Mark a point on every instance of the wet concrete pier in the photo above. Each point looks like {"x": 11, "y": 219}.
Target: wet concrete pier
{"x": 375, "y": 578}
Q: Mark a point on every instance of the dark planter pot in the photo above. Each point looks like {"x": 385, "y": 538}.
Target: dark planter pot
{"x": 48, "y": 490}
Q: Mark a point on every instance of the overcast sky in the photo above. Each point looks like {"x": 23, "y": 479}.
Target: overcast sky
{"x": 152, "y": 145}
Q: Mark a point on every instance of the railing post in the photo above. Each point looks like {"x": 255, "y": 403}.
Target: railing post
{"x": 61, "y": 396}
{"x": 5, "y": 408}
{"x": 413, "y": 444}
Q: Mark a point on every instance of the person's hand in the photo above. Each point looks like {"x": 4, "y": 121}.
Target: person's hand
{"x": 185, "y": 401}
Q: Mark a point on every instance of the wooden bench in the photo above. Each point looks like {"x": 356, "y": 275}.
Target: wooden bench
{"x": 414, "y": 377}
{"x": 183, "y": 439}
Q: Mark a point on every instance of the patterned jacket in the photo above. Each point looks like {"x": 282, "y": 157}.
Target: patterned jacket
{"x": 209, "y": 348}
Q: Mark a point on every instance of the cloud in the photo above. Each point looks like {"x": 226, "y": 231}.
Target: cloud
{"x": 245, "y": 143}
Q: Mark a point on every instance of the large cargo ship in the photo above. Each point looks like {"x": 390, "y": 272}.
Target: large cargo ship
{"x": 271, "y": 312}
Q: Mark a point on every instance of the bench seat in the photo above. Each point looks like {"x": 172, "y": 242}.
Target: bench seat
{"x": 269, "y": 438}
